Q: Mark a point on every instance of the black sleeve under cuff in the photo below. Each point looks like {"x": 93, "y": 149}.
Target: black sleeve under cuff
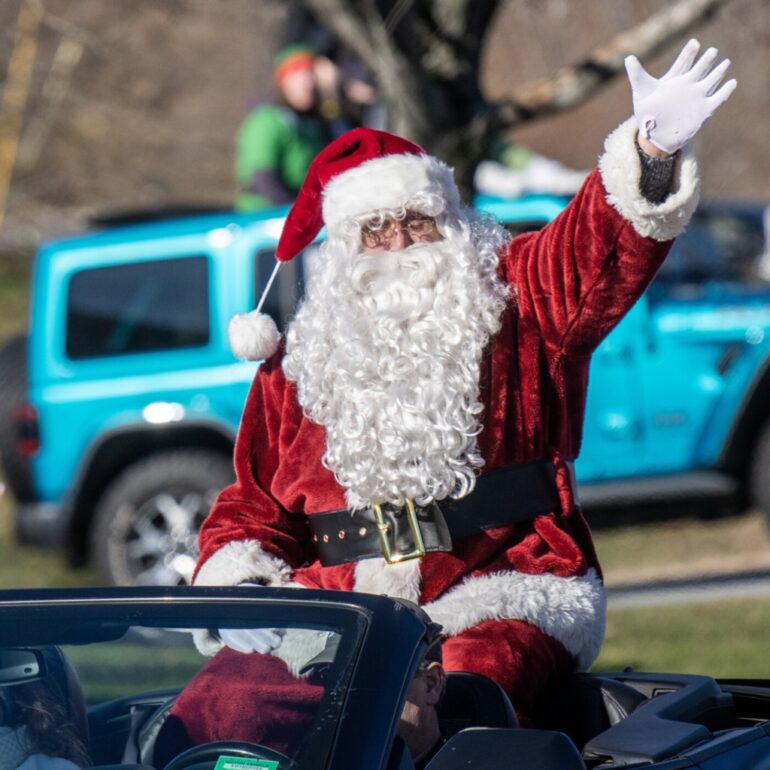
{"x": 657, "y": 177}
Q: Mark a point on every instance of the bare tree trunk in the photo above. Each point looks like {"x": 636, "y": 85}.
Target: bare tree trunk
{"x": 425, "y": 56}
{"x": 15, "y": 94}
{"x": 57, "y": 82}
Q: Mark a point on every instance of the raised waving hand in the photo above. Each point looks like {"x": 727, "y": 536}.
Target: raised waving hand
{"x": 670, "y": 110}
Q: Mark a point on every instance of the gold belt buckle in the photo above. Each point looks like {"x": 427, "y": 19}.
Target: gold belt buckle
{"x": 392, "y": 557}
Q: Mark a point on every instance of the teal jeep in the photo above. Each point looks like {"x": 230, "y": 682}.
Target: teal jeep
{"x": 122, "y": 405}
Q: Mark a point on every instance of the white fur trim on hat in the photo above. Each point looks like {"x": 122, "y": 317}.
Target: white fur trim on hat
{"x": 389, "y": 182}
{"x": 243, "y": 561}
{"x": 253, "y": 336}
{"x": 621, "y": 170}
{"x": 571, "y": 610}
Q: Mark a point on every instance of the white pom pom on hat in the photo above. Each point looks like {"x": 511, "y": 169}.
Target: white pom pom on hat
{"x": 253, "y": 336}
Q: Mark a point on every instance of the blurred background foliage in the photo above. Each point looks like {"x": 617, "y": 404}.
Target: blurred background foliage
{"x": 136, "y": 104}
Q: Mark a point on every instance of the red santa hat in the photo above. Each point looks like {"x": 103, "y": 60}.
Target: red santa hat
{"x": 364, "y": 170}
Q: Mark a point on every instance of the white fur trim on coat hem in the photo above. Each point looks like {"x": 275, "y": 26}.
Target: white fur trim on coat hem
{"x": 571, "y": 610}
{"x": 621, "y": 169}
{"x": 243, "y": 561}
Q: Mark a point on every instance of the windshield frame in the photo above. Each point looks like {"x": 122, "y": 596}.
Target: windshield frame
{"x": 382, "y": 644}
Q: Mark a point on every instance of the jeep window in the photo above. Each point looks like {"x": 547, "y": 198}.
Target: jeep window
{"x": 138, "y": 308}
{"x": 526, "y": 226}
{"x": 721, "y": 243}
{"x": 289, "y": 285}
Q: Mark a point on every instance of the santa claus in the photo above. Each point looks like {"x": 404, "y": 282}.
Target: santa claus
{"x": 413, "y": 435}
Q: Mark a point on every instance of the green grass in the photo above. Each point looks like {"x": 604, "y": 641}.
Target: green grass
{"x": 724, "y": 638}
{"x": 683, "y": 547}
{"x": 133, "y": 668}
{"x": 14, "y": 294}
{"x": 22, "y": 567}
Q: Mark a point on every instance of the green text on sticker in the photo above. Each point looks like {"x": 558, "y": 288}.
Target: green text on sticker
{"x": 244, "y": 763}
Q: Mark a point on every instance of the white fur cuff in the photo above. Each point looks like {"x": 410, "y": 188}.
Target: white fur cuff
{"x": 243, "y": 561}
{"x": 571, "y": 610}
{"x": 299, "y": 646}
{"x": 240, "y": 561}
{"x": 206, "y": 642}
{"x": 399, "y": 581}
{"x": 621, "y": 170}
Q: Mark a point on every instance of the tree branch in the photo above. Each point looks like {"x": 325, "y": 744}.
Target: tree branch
{"x": 398, "y": 76}
{"x": 338, "y": 16}
{"x": 574, "y": 85}
{"x": 374, "y": 30}
{"x": 465, "y": 18}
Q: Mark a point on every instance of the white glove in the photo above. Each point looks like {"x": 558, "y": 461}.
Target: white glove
{"x": 261, "y": 640}
{"x": 669, "y": 111}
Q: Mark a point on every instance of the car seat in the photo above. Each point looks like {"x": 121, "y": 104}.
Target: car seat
{"x": 584, "y": 705}
{"x": 59, "y": 670}
{"x": 60, "y": 677}
{"x": 472, "y": 700}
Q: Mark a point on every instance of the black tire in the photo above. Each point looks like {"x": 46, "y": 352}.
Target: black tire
{"x": 133, "y": 542}
{"x": 759, "y": 475}
{"x": 13, "y": 393}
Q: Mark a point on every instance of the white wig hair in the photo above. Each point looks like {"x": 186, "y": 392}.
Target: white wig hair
{"x": 386, "y": 352}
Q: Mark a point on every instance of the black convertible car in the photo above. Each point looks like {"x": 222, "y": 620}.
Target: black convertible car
{"x": 118, "y": 659}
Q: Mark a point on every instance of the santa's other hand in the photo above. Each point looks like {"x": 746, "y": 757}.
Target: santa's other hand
{"x": 670, "y": 110}
{"x": 261, "y": 640}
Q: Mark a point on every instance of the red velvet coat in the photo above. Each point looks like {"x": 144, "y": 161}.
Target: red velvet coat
{"x": 533, "y": 587}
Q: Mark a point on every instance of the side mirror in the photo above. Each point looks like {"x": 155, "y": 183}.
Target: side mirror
{"x": 18, "y": 666}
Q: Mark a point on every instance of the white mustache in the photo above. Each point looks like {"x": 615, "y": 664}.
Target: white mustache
{"x": 398, "y": 284}
{"x": 417, "y": 265}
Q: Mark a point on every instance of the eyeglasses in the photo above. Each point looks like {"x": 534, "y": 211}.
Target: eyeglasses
{"x": 382, "y": 234}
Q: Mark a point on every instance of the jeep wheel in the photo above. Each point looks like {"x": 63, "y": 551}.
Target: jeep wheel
{"x": 13, "y": 393}
{"x": 146, "y": 524}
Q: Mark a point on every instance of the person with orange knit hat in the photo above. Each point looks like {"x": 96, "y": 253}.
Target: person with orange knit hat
{"x": 413, "y": 433}
{"x": 279, "y": 139}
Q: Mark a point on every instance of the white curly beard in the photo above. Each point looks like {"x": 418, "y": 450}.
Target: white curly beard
{"x": 386, "y": 353}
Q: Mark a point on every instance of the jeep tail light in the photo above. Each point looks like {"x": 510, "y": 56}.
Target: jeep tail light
{"x": 27, "y": 430}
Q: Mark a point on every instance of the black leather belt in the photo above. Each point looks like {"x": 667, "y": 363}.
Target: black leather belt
{"x": 501, "y": 498}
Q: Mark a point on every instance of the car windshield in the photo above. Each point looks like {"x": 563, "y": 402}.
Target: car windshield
{"x": 126, "y": 682}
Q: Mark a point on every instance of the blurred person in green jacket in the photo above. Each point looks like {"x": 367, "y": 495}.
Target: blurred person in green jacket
{"x": 278, "y": 139}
